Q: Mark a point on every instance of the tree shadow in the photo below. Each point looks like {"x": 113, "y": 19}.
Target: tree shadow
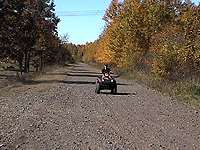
{"x": 73, "y": 75}
{"x": 120, "y": 93}
{"x": 83, "y": 75}
{"x": 86, "y": 72}
{"x": 7, "y": 76}
{"x": 55, "y": 74}
{"x": 78, "y": 82}
{"x": 78, "y": 70}
{"x": 32, "y": 82}
{"x": 74, "y": 65}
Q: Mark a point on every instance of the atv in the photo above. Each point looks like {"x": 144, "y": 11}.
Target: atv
{"x": 106, "y": 82}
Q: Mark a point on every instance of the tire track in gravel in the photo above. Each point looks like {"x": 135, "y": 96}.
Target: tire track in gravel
{"x": 66, "y": 114}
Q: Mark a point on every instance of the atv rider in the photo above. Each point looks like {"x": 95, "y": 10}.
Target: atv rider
{"x": 106, "y": 70}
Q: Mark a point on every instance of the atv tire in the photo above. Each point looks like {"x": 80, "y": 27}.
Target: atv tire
{"x": 97, "y": 90}
{"x": 114, "y": 90}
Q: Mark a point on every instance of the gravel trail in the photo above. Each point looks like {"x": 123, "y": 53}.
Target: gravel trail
{"x": 62, "y": 112}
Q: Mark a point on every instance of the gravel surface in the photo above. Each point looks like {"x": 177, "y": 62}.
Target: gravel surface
{"x": 61, "y": 111}
{"x": 7, "y": 78}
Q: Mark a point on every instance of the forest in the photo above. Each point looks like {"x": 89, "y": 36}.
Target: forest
{"x": 160, "y": 37}
{"x": 29, "y": 39}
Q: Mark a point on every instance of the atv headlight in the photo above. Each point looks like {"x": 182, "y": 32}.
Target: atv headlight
{"x": 111, "y": 80}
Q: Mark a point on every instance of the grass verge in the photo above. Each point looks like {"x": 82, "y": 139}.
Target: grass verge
{"x": 185, "y": 91}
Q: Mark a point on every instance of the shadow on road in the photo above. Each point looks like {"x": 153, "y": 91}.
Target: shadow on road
{"x": 78, "y": 70}
{"x": 33, "y": 82}
{"x": 78, "y": 82}
{"x": 89, "y": 74}
{"x": 55, "y": 74}
{"x": 7, "y": 76}
{"x": 72, "y": 65}
{"x": 80, "y": 74}
{"x": 83, "y": 75}
{"x": 85, "y": 72}
{"x": 122, "y": 94}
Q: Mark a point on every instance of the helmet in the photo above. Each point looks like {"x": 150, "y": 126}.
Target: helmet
{"x": 106, "y": 66}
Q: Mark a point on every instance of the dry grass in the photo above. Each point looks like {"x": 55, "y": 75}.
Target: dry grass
{"x": 185, "y": 91}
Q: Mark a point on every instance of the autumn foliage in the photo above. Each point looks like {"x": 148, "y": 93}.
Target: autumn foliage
{"x": 161, "y": 37}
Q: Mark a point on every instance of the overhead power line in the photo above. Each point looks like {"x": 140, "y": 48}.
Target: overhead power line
{"x": 81, "y": 13}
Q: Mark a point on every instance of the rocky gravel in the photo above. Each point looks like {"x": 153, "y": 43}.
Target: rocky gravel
{"x": 7, "y": 77}
{"x": 62, "y": 112}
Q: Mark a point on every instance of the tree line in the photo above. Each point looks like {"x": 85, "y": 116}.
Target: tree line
{"x": 157, "y": 36}
{"x": 28, "y": 34}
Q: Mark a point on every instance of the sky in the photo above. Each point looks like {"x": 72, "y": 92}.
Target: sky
{"x": 81, "y": 29}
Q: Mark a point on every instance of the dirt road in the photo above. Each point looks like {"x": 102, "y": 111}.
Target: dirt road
{"x": 62, "y": 112}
